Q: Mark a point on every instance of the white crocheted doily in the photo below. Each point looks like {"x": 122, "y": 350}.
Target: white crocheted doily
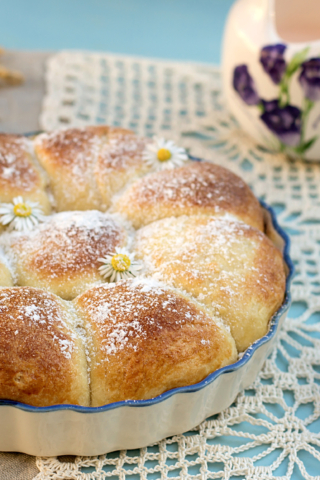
{"x": 272, "y": 430}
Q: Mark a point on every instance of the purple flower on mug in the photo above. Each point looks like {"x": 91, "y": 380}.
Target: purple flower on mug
{"x": 310, "y": 79}
{"x": 243, "y": 83}
{"x": 284, "y": 122}
{"x": 273, "y": 62}
{"x": 269, "y": 105}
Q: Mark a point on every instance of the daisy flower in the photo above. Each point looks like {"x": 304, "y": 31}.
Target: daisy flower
{"x": 21, "y": 215}
{"x": 163, "y": 153}
{"x": 119, "y": 265}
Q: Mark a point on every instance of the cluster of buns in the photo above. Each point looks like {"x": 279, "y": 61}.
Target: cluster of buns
{"x": 210, "y": 282}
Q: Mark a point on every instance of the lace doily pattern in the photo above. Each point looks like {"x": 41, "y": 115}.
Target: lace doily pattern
{"x": 272, "y": 429}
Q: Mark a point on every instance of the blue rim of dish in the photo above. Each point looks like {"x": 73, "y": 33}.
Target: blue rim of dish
{"x": 210, "y": 378}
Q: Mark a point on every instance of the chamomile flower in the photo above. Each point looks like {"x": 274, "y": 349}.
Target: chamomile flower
{"x": 21, "y": 215}
{"x": 119, "y": 265}
{"x": 163, "y": 154}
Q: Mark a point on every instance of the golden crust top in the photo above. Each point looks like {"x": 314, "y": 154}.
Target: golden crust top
{"x": 197, "y": 188}
{"x": 147, "y": 338}
{"x": 65, "y": 250}
{"x": 120, "y": 161}
{"x": 16, "y": 169}
{"x": 124, "y": 150}
{"x": 75, "y": 147}
{"x": 70, "y": 157}
{"x": 71, "y": 147}
{"x": 18, "y": 173}
{"x": 38, "y": 347}
{"x": 232, "y": 268}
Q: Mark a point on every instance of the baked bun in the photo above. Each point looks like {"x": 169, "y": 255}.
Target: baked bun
{"x": 79, "y": 162}
{"x": 42, "y": 358}
{"x": 61, "y": 255}
{"x": 200, "y": 231}
{"x": 232, "y": 268}
{"x": 19, "y": 174}
{"x": 199, "y": 188}
{"x": 120, "y": 161}
{"x": 145, "y": 339}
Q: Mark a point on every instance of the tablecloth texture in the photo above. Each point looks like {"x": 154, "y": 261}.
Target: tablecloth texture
{"x": 272, "y": 429}
{"x": 20, "y": 107}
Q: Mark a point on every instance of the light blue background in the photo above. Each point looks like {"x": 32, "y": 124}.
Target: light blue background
{"x": 173, "y": 29}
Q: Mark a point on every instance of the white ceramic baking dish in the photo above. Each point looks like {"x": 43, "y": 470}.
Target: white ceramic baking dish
{"x": 75, "y": 430}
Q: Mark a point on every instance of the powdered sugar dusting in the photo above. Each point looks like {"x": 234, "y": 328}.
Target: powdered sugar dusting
{"x": 76, "y": 148}
{"x": 129, "y": 312}
{"x": 27, "y": 311}
{"x": 68, "y": 242}
{"x": 213, "y": 258}
{"x": 122, "y": 151}
{"x": 16, "y": 168}
{"x": 197, "y": 188}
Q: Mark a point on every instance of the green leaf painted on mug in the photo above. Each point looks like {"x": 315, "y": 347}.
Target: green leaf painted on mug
{"x": 306, "y": 145}
{"x": 296, "y": 61}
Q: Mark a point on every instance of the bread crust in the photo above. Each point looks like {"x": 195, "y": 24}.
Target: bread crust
{"x": 120, "y": 161}
{"x": 230, "y": 267}
{"x": 42, "y": 360}
{"x": 70, "y": 157}
{"x": 19, "y": 174}
{"x": 199, "y": 188}
{"x": 146, "y": 339}
{"x": 62, "y": 255}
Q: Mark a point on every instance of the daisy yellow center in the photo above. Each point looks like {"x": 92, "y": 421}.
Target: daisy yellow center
{"x": 120, "y": 262}
{"x": 164, "y": 155}
{"x": 22, "y": 210}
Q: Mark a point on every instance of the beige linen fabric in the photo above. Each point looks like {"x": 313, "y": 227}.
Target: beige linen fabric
{"x": 17, "y": 466}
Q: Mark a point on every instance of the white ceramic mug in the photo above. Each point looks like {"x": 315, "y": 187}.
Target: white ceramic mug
{"x": 271, "y": 73}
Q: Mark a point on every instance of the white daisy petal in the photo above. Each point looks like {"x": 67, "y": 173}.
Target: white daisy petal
{"x": 126, "y": 267}
{"x": 6, "y": 208}
{"x": 6, "y": 219}
{"x": 176, "y": 156}
{"x": 24, "y": 220}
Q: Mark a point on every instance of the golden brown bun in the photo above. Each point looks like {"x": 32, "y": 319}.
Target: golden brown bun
{"x": 41, "y": 356}
{"x": 197, "y": 188}
{"x": 69, "y": 157}
{"x": 19, "y": 175}
{"x": 61, "y": 255}
{"x": 232, "y": 268}
{"x": 120, "y": 161}
{"x": 77, "y": 166}
{"x": 146, "y": 339}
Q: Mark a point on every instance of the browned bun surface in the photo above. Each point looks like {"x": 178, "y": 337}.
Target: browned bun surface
{"x": 61, "y": 255}
{"x": 200, "y": 232}
{"x": 145, "y": 339}
{"x": 19, "y": 175}
{"x": 120, "y": 161}
{"x": 70, "y": 157}
{"x": 42, "y": 360}
{"x": 232, "y": 268}
{"x": 197, "y": 188}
